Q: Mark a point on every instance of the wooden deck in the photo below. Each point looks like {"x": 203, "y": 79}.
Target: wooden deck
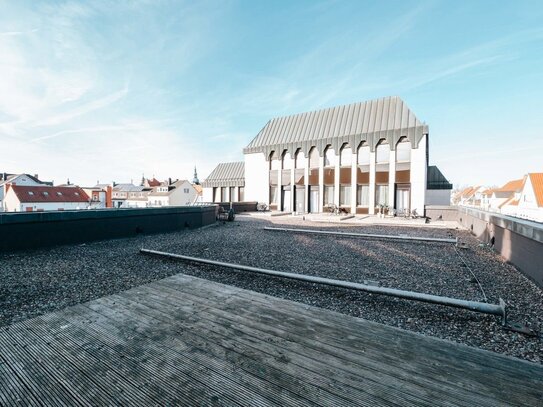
{"x": 188, "y": 341}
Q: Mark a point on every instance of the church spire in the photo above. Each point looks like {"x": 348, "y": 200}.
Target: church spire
{"x": 195, "y": 180}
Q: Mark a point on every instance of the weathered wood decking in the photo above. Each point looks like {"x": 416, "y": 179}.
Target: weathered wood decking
{"x": 188, "y": 341}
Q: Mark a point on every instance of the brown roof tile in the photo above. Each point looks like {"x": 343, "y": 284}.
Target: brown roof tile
{"x": 536, "y": 179}
{"x": 49, "y": 194}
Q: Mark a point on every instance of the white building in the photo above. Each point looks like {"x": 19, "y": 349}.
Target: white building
{"x": 528, "y": 202}
{"x": 360, "y": 157}
{"x": 178, "y": 193}
{"x": 17, "y": 179}
{"x": 26, "y": 198}
{"x": 226, "y": 183}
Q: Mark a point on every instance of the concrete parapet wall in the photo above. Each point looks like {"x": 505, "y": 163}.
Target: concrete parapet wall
{"x": 33, "y": 230}
{"x": 239, "y": 207}
{"x": 519, "y": 241}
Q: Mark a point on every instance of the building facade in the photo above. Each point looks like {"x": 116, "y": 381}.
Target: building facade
{"x": 364, "y": 157}
{"x": 25, "y": 198}
{"x": 17, "y": 179}
{"x": 226, "y": 183}
{"x": 177, "y": 193}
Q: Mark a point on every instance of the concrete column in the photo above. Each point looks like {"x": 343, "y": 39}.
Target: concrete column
{"x": 306, "y": 181}
{"x": 371, "y": 209}
{"x": 353, "y": 182}
{"x": 321, "y": 183}
{"x": 391, "y": 178}
{"x": 336, "y": 181}
{"x": 292, "y": 186}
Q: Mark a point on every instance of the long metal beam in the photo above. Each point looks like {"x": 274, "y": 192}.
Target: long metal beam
{"x": 482, "y": 307}
{"x": 350, "y": 234}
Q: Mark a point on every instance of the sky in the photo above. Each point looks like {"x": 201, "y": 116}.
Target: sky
{"x": 113, "y": 90}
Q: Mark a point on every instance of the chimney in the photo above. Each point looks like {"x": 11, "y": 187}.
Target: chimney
{"x": 169, "y": 181}
{"x": 109, "y": 201}
{"x": 36, "y": 176}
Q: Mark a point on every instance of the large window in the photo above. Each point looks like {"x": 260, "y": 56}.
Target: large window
{"x": 329, "y": 157}
{"x": 383, "y": 152}
{"x": 223, "y": 194}
{"x": 403, "y": 150}
{"x": 328, "y": 195}
{"x": 363, "y": 195}
{"x": 345, "y": 158}
{"x": 273, "y": 195}
{"x": 299, "y": 161}
{"x": 232, "y": 194}
{"x": 381, "y": 195}
{"x": 287, "y": 161}
{"x": 345, "y": 195}
{"x": 241, "y": 194}
{"x": 274, "y": 161}
{"x": 364, "y": 154}
{"x": 313, "y": 158}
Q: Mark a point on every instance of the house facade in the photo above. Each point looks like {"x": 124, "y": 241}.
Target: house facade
{"x": 177, "y": 193}
{"x": 26, "y": 198}
{"x": 17, "y": 179}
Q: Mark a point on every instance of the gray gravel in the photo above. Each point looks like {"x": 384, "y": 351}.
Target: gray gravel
{"x": 41, "y": 281}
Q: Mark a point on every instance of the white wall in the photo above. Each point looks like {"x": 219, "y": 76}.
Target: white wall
{"x": 207, "y": 194}
{"x": 438, "y": 197}
{"x": 178, "y": 196}
{"x": 256, "y": 178}
{"x": 418, "y": 177}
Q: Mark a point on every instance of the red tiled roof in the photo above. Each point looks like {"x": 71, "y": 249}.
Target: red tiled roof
{"x": 512, "y": 186}
{"x": 49, "y": 194}
{"x": 153, "y": 182}
{"x": 536, "y": 179}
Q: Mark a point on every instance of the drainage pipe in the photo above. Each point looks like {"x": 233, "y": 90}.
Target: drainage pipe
{"x": 349, "y": 234}
{"x": 475, "y": 306}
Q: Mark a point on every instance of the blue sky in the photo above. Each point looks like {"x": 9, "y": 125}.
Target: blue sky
{"x": 108, "y": 90}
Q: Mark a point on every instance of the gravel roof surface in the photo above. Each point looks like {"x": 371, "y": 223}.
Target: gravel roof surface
{"x": 41, "y": 281}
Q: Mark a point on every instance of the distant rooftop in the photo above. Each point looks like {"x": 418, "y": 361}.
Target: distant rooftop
{"x": 387, "y": 118}
{"x": 226, "y": 175}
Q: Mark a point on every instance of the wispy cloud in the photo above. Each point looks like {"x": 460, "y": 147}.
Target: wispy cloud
{"x": 86, "y": 108}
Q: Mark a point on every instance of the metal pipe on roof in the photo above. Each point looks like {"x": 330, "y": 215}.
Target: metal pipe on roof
{"x": 475, "y": 306}
{"x": 350, "y": 234}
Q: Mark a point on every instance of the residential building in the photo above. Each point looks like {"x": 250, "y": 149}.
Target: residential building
{"x": 38, "y": 198}
{"x": 129, "y": 195}
{"x": 528, "y": 202}
{"x": 226, "y": 183}
{"x": 100, "y": 196}
{"x": 17, "y": 179}
{"x": 177, "y": 193}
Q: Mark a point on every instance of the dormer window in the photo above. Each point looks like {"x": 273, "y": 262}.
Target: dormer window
{"x": 77, "y": 193}
{"x": 59, "y": 193}
{"x": 46, "y": 193}
{"x": 30, "y": 193}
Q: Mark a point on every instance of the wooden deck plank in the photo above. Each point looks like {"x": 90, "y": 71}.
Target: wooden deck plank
{"x": 369, "y": 366}
{"x": 327, "y": 324}
{"x": 318, "y": 361}
{"x": 310, "y": 372}
{"x": 228, "y": 362}
{"x": 187, "y": 341}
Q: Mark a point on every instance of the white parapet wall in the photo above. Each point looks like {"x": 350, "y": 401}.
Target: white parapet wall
{"x": 256, "y": 178}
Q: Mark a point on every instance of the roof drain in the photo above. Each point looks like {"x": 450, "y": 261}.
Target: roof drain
{"x": 370, "y": 235}
{"x": 475, "y": 306}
